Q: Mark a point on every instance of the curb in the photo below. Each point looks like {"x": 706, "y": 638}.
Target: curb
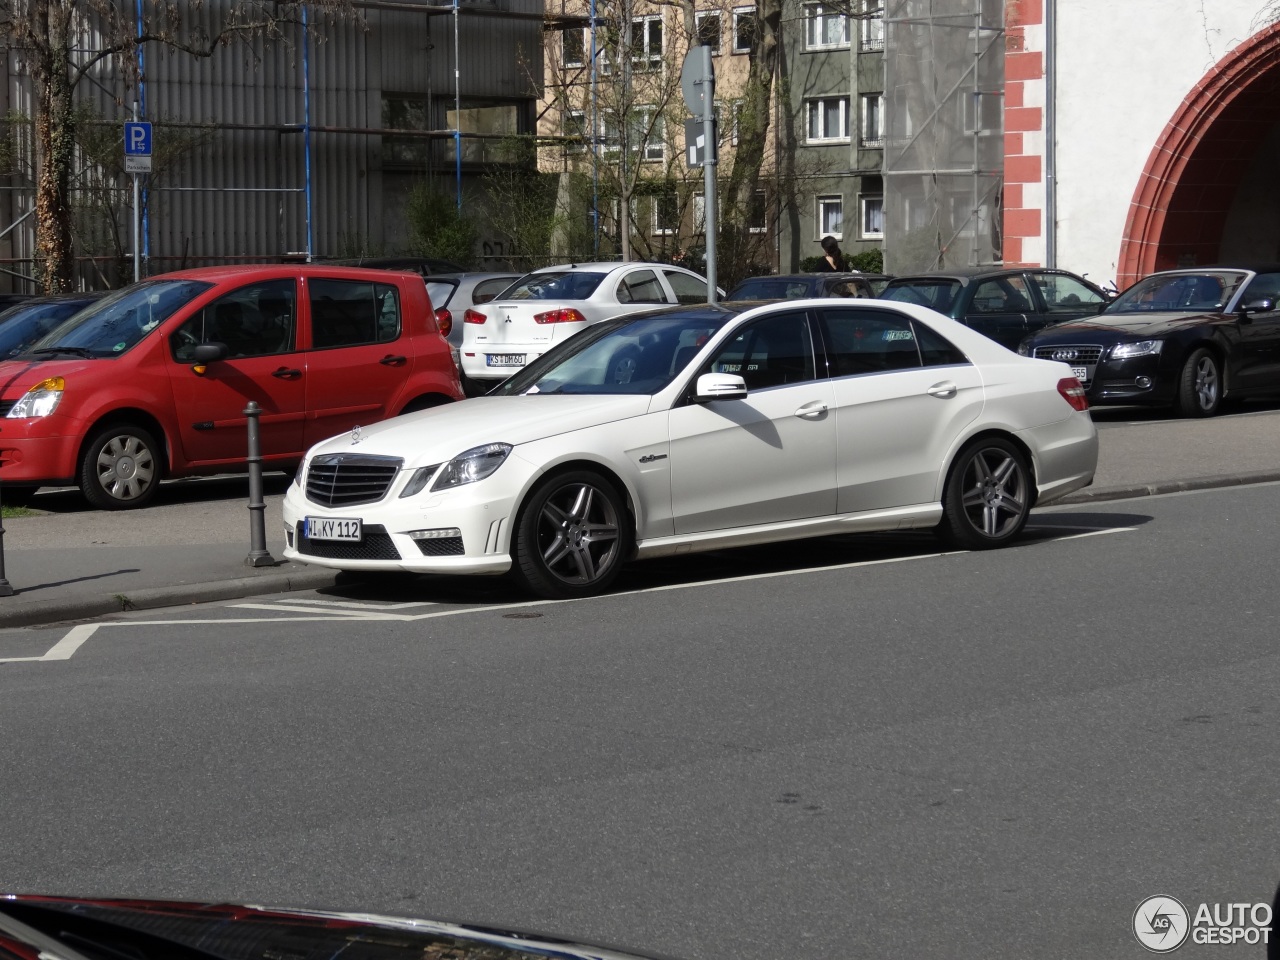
{"x": 1128, "y": 491}
{"x": 39, "y": 612}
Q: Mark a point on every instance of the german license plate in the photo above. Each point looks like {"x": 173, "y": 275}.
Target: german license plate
{"x": 505, "y": 359}
{"x": 332, "y": 528}
{"x": 1080, "y": 373}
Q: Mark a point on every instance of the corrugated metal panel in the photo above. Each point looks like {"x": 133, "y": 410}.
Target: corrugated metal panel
{"x": 232, "y": 192}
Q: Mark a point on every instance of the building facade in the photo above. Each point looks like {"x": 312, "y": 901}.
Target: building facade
{"x": 304, "y": 146}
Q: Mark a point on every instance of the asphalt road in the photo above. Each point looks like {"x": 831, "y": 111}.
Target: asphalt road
{"x": 856, "y": 747}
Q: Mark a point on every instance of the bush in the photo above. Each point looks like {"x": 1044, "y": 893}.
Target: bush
{"x": 868, "y": 261}
{"x": 437, "y": 228}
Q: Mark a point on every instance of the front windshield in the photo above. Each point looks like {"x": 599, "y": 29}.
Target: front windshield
{"x": 936, "y": 294}
{"x": 24, "y": 324}
{"x": 120, "y": 321}
{"x": 630, "y": 355}
{"x": 554, "y": 285}
{"x": 1181, "y": 292}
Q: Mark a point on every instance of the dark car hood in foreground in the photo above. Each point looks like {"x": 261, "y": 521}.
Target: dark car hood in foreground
{"x": 73, "y": 929}
{"x": 1139, "y": 326}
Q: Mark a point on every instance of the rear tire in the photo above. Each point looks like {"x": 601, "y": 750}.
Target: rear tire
{"x": 1200, "y": 385}
{"x": 988, "y": 496}
{"x": 120, "y": 468}
{"x": 572, "y": 536}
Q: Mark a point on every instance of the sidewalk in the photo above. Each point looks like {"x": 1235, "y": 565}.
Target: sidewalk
{"x": 72, "y": 562}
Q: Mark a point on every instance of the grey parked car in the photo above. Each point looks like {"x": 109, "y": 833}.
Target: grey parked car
{"x": 452, "y": 295}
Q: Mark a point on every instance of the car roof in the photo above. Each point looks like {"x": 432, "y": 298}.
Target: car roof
{"x": 238, "y": 270}
{"x": 968, "y": 274}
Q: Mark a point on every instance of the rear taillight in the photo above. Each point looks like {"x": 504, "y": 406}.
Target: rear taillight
{"x": 444, "y": 320}
{"x": 1073, "y": 393}
{"x": 473, "y": 316}
{"x": 563, "y": 315}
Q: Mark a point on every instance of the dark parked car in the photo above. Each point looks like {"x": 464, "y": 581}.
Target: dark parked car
{"x": 797, "y": 286}
{"x": 28, "y": 321}
{"x": 427, "y": 266}
{"x": 1003, "y": 304}
{"x": 1189, "y": 339}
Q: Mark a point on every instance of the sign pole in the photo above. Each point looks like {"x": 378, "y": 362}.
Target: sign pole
{"x": 137, "y": 216}
{"x": 711, "y": 211}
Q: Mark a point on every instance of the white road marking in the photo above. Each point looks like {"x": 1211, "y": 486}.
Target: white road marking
{"x": 65, "y": 648}
{"x": 362, "y": 605}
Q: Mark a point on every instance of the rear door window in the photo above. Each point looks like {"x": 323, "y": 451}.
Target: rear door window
{"x": 869, "y": 341}
{"x": 346, "y": 313}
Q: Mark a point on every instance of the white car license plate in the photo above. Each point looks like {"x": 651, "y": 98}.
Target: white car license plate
{"x": 1080, "y": 373}
{"x": 505, "y": 359}
{"x": 332, "y": 528}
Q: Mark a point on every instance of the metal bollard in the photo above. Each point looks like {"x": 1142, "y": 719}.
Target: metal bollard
{"x": 258, "y": 553}
{"x": 5, "y": 589}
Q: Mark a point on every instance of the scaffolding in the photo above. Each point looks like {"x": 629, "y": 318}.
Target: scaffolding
{"x": 944, "y": 146}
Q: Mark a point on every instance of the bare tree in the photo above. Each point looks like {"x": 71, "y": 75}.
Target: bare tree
{"x": 60, "y": 41}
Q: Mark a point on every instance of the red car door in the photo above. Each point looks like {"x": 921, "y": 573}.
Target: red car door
{"x": 361, "y": 354}
{"x": 257, "y": 323}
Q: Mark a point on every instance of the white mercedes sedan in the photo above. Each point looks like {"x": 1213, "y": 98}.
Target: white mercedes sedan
{"x": 700, "y": 428}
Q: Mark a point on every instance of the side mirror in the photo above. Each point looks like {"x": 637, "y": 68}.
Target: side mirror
{"x": 209, "y": 352}
{"x": 1264, "y": 305}
{"x": 719, "y": 386}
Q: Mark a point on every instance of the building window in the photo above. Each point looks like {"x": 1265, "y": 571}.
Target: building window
{"x": 575, "y": 48}
{"x": 648, "y": 133}
{"x": 871, "y": 25}
{"x": 872, "y": 217}
{"x": 757, "y": 213}
{"x": 824, "y": 28}
{"x": 981, "y": 112}
{"x": 828, "y": 119}
{"x": 404, "y": 113}
{"x": 744, "y": 29}
{"x": 666, "y": 214}
{"x": 575, "y": 125}
{"x": 708, "y": 28}
{"x": 610, "y": 132}
{"x": 831, "y": 217}
{"x": 700, "y": 212}
{"x": 646, "y": 42}
{"x": 873, "y": 120}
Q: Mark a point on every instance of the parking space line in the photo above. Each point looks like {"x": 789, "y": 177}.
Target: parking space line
{"x": 337, "y": 614}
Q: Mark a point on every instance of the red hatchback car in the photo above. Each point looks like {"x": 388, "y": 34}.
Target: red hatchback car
{"x": 152, "y": 380}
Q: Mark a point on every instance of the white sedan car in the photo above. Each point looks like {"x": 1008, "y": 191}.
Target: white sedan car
{"x": 723, "y": 427}
{"x": 549, "y": 306}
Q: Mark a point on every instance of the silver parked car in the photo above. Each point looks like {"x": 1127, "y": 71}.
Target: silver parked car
{"x": 452, "y": 295}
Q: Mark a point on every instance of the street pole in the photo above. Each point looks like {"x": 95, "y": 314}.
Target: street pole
{"x": 711, "y": 220}
{"x": 137, "y": 216}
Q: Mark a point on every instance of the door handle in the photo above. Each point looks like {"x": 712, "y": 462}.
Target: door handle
{"x": 812, "y": 411}
{"x": 943, "y": 391}
{"x": 391, "y": 360}
{"x": 287, "y": 373}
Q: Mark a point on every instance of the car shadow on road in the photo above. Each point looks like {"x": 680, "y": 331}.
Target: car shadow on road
{"x": 719, "y": 565}
{"x": 171, "y": 492}
{"x": 1113, "y": 416}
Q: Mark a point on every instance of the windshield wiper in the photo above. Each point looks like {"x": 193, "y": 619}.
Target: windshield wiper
{"x": 54, "y": 351}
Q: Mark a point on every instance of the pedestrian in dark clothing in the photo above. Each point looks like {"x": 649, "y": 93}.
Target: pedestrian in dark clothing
{"x": 833, "y": 262}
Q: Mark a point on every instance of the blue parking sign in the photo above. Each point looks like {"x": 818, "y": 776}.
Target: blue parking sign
{"x": 137, "y": 139}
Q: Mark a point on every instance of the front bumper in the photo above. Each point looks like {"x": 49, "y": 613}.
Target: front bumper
{"x": 41, "y": 450}
{"x": 414, "y": 535}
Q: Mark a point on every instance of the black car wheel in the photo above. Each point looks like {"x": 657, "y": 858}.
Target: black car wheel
{"x": 988, "y": 496}
{"x": 1200, "y": 385}
{"x": 572, "y": 536}
{"x": 120, "y": 468}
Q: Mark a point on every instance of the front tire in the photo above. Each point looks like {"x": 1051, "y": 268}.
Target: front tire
{"x": 120, "y": 468}
{"x": 1200, "y": 385}
{"x": 988, "y": 496}
{"x": 572, "y": 537}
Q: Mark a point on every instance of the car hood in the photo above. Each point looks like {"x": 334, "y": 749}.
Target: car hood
{"x": 441, "y": 433}
{"x": 54, "y": 926}
{"x": 1131, "y": 325}
{"x": 17, "y": 376}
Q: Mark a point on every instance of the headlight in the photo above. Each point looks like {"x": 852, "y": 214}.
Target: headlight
{"x": 1143, "y": 348}
{"x": 41, "y": 400}
{"x": 420, "y": 478}
{"x": 472, "y": 465}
